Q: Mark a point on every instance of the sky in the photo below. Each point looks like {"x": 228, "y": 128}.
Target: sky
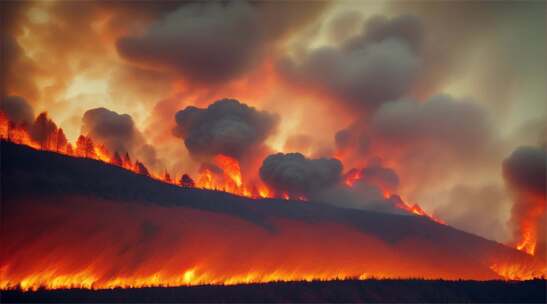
{"x": 440, "y": 95}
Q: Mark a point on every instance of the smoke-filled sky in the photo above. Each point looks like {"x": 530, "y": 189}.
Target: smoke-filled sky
{"x": 443, "y": 102}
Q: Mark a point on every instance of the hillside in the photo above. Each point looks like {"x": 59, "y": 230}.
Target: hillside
{"x": 102, "y": 226}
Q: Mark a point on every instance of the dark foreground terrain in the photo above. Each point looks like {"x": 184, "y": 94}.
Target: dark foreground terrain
{"x": 377, "y": 291}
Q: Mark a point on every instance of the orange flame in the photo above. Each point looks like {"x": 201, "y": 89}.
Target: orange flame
{"x": 355, "y": 175}
{"x": 84, "y": 264}
{"x": 519, "y": 271}
{"x": 229, "y": 180}
{"x": 528, "y": 227}
{"x": 193, "y": 247}
{"x": 527, "y": 243}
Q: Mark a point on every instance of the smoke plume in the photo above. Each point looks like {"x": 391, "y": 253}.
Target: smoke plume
{"x": 423, "y": 140}
{"x": 372, "y": 187}
{"x": 118, "y": 133}
{"x": 17, "y": 109}
{"x": 321, "y": 180}
{"x": 380, "y": 176}
{"x": 525, "y": 170}
{"x": 297, "y": 175}
{"x": 212, "y": 42}
{"x": 376, "y": 66}
{"x": 225, "y": 127}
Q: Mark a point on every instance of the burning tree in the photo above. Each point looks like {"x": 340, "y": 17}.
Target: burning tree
{"x": 141, "y": 168}
{"x": 186, "y": 181}
{"x": 116, "y": 159}
{"x": 167, "y": 177}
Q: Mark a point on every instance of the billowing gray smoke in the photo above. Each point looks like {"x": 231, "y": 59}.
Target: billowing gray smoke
{"x": 118, "y": 133}
{"x": 213, "y": 42}
{"x": 362, "y": 195}
{"x": 525, "y": 169}
{"x": 366, "y": 188}
{"x": 322, "y": 180}
{"x": 296, "y": 175}
{"x": 17, "y": 109}
{"x": 376, "y": 66}
{"x": 225, "y": 127}
{"x": 460, "y": 123}
{"x": 414, "y": 133}
{"x": 198, "y": 40}
{"x": 525, "y": 172}
{"x": 380, "y": 176}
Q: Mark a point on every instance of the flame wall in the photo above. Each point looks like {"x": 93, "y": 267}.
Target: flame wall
{"x": 91, "y": 243}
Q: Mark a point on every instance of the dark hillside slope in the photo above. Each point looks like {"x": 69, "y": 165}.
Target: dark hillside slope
{"x": 36, "y": 179}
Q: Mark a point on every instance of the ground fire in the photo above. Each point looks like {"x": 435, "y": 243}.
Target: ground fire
{"x": 50, "y": 261}
{"x": 51, "y": 138}
{"x": 145, "y": 245}
{"x": 223, "y": 175}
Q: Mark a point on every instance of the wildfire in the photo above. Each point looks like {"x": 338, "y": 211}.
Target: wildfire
{"x": 223, "y": 175}
{"x": 528, "y": 227}
{"x": 43, "y": 134}
{"x": 190, "y": 277}
{"x": 417, "y": 210}
{"x": 355, "y": 175}
{"x": 519, "y": 271}
{"x": 352, "y": 177}
{"x": 527, "y": 243}
{"x": 143, "y": 245}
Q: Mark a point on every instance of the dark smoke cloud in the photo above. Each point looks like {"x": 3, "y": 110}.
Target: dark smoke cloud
{"x": 380, "y": 176}
{"x": 225, "y": 127}
{"x": 297, "y": 175}
{"x": 525, "y": 169}
{"x": 17, "y": 109}
{"x": 361, "y": 195}
{"x": 525, "y": 172}
{"x": 13, "y": 61}
{"x": 432, "y": 145}
{"x": 367, "y": 192}
{"x": 459, "y": 125}
{"x": 118, "y": 133}
{"x": 376, "y": 66}
{"x": 321, "y": 180}
{"x": 214, "y": 41}
{"x": 441, "y": 128}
